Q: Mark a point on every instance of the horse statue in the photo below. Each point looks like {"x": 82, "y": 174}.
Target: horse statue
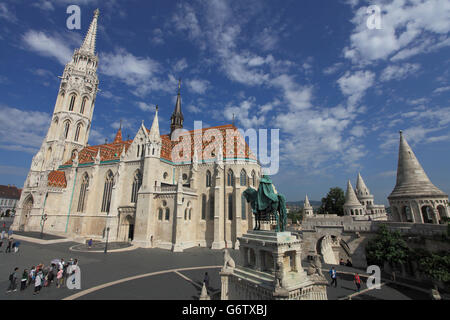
{"x": 267, "y": 205}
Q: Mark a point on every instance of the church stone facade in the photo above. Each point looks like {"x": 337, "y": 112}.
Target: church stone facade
{"x": 171, "y": 191}
{"x": 415, "y": 198}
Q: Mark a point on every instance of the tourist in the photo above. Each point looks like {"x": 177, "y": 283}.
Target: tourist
{"x": 32, "y": 275}
{"x": 3, "y": 234}
{"x": 38, "y": 282}
{"x": 50, "y": 275}
{"x": 341, "y": 262}
{"x": 206, "y": 280}
{"x": 59, "y": 278}
{"x": 90, "y": 244}
{"x": 23, "y": 282}
{"x": 8, "y": 248}
{"x": 12, "y": 280}
{"x": 357, "y": 282}
{"x": 10, "y": 232}
{"x": 349, "y": 264}
{"x": 333, "y": 277}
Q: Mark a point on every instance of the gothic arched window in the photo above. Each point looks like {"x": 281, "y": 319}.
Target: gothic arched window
{"x": 253, "y": 178}
{"x": 72, "y": 102}
{"x": 230, "y": 178}
{"x": 77, "y": 131}
{"x": 208, "y": 179}
{"x": 83, "y": 190}
{"x": 167, "y": 214}
{"x": 66, "y": 129}
{"x": 137, "y": 182}
{"x": 160, "y": 214}
{"x": 109, "y": 182}
{"x": 243, "y": 178}
{"x": 83, "y": 105}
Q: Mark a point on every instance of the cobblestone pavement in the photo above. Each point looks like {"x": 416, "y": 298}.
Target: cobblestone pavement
{"x": 98, "y": 269}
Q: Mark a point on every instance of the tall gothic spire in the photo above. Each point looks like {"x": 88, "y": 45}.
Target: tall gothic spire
{"x": 306, "y": 204}
{"x": 154, "y": 130}
{"x": 89, "y": 41}
{"x": 176, "y": 120}
{"x": 411, "y": 178}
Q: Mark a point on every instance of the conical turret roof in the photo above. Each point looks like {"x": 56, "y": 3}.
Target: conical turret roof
{"x": 154, "y": 130}
{"x": 306, "y": 204}
{"x": 350, "y": 196}
{"x": 361, "y": 188}
{"x": 411, "y": 178}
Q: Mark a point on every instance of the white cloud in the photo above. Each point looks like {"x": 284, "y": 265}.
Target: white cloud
{"x": 298, "y": 97}
{"x": 197, "y": 85}
{"x": 6, "y": 14}
{"x": 180, "y": 65}
{"x": 399, "y": 72}
{"x": 441, "y": 89}
{"x": 28, "y": 135}
{"x": 355, "y": 85}
{"x": 193, "y": 109}
{"x": 412, "y": 26}
{"x": 157, "y": 36}
{"x": 245, "y": 113}
{"x": 50, "y": 46}
{"x": 145, "y": 106}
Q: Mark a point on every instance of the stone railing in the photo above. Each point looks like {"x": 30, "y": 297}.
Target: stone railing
{"x": 172, "y": 189}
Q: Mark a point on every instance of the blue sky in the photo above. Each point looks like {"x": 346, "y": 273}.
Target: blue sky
{"x": 338, "y": 91}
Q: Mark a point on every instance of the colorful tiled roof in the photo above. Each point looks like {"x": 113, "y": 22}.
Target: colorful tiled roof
{"x": 57, "y": 179}
{"x": 108, "y": 151}
{"x": 232, "y": 147}
{"x": 10, "y": 192}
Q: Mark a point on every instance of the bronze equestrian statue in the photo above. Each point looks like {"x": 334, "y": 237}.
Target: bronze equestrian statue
{"x": 267, "y": 205}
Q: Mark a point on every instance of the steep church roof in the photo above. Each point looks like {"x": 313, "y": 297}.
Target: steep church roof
{"x": 57, "y": 179}
{"x": 411, "y": 178}
{"x": 350, "y": 196}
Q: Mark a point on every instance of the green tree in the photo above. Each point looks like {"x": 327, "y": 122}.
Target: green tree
{"x": 435, "y": 265}
{"x": 333, "y": 203}
{"x": 388, "y": 247}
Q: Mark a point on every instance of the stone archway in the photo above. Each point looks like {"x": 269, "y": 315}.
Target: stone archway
{"x": 442, "y": 212}
{"x": 395, "y": 214}
{"x": 427, "y": 214}
{"x": 126, "y": 229}
{"x": 26, "y": 211}
{"x": 332, "y": 249}
{"x": 407, "y": 214}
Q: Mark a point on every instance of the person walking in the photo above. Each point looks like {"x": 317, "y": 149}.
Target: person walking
{"x": 59, "y": 278}
{"x": 10, "y": 233}
{"x": 3, "y": 234}
{"x": 333, "y": 277}
{"x": 12, "y": 280}
{"x": 38, "y": 282}
{"x": 90, "y": 244}
{"x": 8, "y": 248}
{"x": 32, "y": 275}
{"x": 23, "y": 282}
{"x": 357, "y": 282}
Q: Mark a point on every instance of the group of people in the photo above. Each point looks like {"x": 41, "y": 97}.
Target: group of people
{"x": 356, "y": 279}
{"x": 40, "y": 276}
{"x": 11, "y": 244}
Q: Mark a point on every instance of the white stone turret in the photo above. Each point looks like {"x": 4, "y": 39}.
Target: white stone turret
{"x": 352, "y": 206}
{"x": 154, "y": 141}
{"x": 307, "y": 208}
{"x": 363, "y": 193}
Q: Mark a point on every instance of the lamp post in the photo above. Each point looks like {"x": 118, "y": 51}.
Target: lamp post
{"x": 106, "y": 245}
{"x": 43, "y": 219}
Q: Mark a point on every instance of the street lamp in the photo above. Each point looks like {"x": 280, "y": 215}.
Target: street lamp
{"x": 43, "y": 219}
{"x": 107, "y": 234}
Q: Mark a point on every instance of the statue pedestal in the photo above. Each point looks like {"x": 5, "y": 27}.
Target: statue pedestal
{"x": 271, "y": 270}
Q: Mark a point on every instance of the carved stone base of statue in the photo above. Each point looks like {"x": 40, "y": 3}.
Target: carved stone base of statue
{"x": 271, "y": 270}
